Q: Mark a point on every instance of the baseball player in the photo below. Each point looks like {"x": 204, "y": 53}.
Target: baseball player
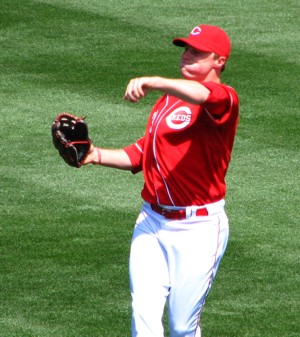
{"x": 181, "y": 232}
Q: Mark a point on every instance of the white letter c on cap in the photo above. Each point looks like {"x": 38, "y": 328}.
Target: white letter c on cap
{"x": 196, "y": 31}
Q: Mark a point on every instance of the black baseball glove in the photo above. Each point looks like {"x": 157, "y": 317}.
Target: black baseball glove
{"x": 70, "y": 137}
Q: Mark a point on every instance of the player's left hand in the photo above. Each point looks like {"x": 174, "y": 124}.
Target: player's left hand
{"x": 93, "y": 156}
{"x": 70, "y": 137}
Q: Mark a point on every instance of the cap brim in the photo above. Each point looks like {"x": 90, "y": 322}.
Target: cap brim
{"x": 181, "y": 42}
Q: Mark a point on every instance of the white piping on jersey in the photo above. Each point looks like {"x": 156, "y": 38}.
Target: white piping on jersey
{"x": 161, "y": 115}
{"x": 139, "y": 148}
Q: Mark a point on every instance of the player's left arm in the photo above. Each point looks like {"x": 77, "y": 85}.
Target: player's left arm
{"x": 187, "y": 90}
{"x": 115, "y": 158}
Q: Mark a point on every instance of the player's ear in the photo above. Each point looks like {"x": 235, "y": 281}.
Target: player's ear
{"x": 220, "y": 61}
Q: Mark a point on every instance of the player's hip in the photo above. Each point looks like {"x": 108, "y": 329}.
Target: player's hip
{"x": 159, "y": 216}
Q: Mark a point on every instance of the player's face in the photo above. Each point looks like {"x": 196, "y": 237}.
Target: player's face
{"x": 195, "y": 64}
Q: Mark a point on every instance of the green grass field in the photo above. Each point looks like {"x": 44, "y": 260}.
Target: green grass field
{"x": 65, "y": 233}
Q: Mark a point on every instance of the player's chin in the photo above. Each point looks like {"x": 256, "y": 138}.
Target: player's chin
{"x": 186, "y": 74}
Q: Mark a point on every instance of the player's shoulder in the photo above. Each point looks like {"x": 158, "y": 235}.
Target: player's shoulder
{"x": 221, "y": 90}
{"x": 232, "y": 92}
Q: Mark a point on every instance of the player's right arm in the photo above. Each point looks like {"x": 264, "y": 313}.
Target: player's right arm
{"x": 187, "y": 90}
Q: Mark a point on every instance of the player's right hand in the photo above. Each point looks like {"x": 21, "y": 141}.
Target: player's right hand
{"x": 138, "y": 88}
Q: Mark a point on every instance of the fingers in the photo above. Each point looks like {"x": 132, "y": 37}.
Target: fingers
{"x": 136, "y": 89}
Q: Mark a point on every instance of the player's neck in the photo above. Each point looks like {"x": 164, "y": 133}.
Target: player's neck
{"x": 212, "y": 76}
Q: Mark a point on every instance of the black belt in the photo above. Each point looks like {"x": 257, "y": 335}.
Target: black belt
{"x": 177, "y": 214}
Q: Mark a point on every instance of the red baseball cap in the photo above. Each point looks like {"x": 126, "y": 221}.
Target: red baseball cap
{"x": 207, "y": 38}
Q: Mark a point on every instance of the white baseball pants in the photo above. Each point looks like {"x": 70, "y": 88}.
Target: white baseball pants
{"x": 174, "y": 261}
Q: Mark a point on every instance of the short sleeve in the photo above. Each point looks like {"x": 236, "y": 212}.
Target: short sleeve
{"x": 219, "y": 102}
{"x": 135, "y": 154}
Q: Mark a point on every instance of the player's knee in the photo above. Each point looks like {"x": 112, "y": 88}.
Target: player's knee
{"x": 179, "y": 331}
{"x": 184, "y": 330}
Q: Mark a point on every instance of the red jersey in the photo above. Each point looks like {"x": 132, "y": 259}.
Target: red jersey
{"x": 186, "y": 149}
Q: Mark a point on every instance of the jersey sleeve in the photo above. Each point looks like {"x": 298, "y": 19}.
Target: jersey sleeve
{"x": 219, "y": 102}
{"x": 135, "y": 154}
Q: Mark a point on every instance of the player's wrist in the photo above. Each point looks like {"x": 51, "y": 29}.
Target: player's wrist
{"x": 96, "y": 156}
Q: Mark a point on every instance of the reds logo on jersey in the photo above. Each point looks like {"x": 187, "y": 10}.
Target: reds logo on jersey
{"x": 179, "y": 118}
